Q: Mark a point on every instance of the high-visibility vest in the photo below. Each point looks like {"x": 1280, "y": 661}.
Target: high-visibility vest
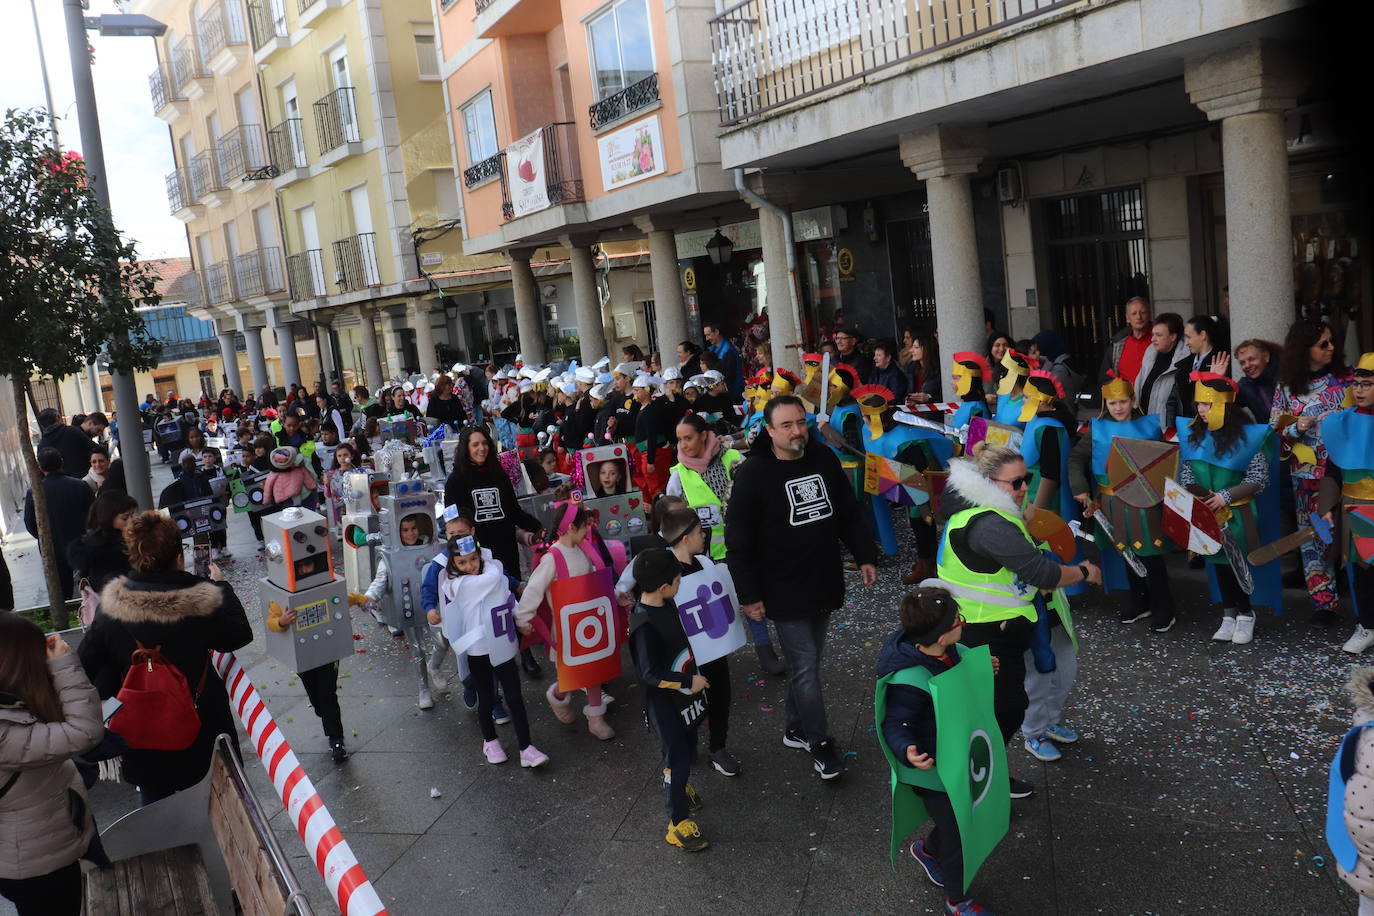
{"x": 984, "y": 597}
{"x": 704, "y": 500}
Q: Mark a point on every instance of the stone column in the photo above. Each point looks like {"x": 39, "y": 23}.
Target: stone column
{"x": 1247, "y": 89}
{"x": 587, "y": 298}
{"x": 229, "y": 357}
{"x": 257, "y": 365}
{"x": 418, "y": 314}
{"x": 372, "y": 360}
{"x": 324, "y": 348}
{"x": 93, "y": 386}
{"x": 784, "y": 336}
{"x": 290, "y": 362}
{"x": 944, "y": 157}
{"x": 527, "y": 312}
{"x": 670, "y": 311}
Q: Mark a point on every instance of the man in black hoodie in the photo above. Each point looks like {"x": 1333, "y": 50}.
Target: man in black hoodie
{"x": 790, "y": 508}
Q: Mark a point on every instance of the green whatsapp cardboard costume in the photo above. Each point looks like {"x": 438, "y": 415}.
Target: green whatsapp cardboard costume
{"x": 970, "y": 757}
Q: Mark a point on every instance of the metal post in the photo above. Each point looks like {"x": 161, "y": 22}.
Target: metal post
{"x": 136, "y": 471}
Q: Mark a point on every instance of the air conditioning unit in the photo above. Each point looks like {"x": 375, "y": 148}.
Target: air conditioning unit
{"x": 1009, "y": 184}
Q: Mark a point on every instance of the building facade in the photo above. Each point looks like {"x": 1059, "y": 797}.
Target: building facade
{"x": 1048, "y": 159}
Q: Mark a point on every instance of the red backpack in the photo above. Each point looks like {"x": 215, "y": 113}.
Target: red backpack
{"x": 159, "y": 710}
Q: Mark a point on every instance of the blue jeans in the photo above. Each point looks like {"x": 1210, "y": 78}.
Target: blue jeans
{"x": 760, "y": 630}
{"x": 802, "y": 642}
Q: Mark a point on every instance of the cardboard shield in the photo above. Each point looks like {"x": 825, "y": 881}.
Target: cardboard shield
{"x": 971, "y": 756}
{"x": 709, "y": 610}
{"x": 994, "y": 432}
{"x": 1054, "y": 532}
{"x": 586, "y": 629}
{"x": 894, "y": 481}
{"x": 1189, "y": 522}
{"x": 1137, "y": 469}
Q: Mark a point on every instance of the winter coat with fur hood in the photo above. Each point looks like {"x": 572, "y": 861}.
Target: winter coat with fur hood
{"x": 187, "y": 617}
{"x": 1359, "y": 790}
{"x": 45, "y": 823}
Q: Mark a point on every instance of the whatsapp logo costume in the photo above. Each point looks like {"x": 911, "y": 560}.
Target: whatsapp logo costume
{"x": 970, "y": 757}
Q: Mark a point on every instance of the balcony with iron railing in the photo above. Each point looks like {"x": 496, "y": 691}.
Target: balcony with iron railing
{"x": 265, "y": 27}
{"x": 180, "y": 199}
{"x": 305, "y": 275}
{"x": 168, "y": 100}
{"x": 310, "y": 10}
{"x": 355, "y": 262}
{"x": 526, "y": 191}
{"x": 207, "y": 186}
{"x": 218, "y": 282}
{"x": 286, "y": 146}
{"x": 482, "y": 172}
{"x": 189, "y": 74}
{"x": 336, "y": 123}
{"x": 243, "y": 155}
{"x": 621, "y": 105}
{"x": 223, "y": 36}
{"x": 259, "y": 273}
{"x": 770, "y": 53}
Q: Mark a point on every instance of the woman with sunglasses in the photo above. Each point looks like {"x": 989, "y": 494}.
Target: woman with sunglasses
{"x": 1312, "y": 380}
{"x": 992, "y": 566}
{"x": 1347, "y": 485}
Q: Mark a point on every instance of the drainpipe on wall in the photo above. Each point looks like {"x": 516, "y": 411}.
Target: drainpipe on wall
{"x": 788, "y": 239}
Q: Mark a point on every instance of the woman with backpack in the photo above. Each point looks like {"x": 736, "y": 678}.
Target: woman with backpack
{"x": 174, "y": 620}
{"x": 48, "y": 714}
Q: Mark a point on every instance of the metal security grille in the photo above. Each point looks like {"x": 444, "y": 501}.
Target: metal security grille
{"x": 1095, "y": 254}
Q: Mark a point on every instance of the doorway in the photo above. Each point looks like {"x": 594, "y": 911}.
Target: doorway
{"x": 913, "y": 276}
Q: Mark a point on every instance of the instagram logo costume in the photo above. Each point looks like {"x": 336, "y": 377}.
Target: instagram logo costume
{"x": 588, "y": 628}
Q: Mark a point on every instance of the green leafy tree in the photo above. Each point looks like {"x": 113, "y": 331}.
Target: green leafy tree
{"x": 69, "y": 287}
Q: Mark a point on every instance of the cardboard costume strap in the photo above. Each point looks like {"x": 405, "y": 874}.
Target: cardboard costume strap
{"x": 1338, "y": 839}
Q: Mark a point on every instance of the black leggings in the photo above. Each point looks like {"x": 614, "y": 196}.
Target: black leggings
{"x": 923, "y": 533}
{"x": 57, "y": 893}
{"x": 484, "y": 676}
{"x": 943, "y": 841}
{"x": 321, "y": 686}
{"x": 1151, "y": 591}
{"x": 1008, "y": 646}
{"x": 718, "y": 700}
{"x": 1232, "y": 598}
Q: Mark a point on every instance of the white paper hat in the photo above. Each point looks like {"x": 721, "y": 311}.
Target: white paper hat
{"x": 672, "y": 374}
{"x": 715, "y": 376}
{"x": 644, "y": 380}
{"x": 526, "y": 385}
{"x": 601, "y": 364}
{"x": 629, "y": 368}
{"x": 543, "y": 375}
{"x": 586, "y": 375}
{"x": 569, "y": 388}
{"x": 601, "y": 391}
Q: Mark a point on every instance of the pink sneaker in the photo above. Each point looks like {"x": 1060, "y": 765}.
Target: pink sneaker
{"x": 533, "y": 757}
{"x": 495, "y": 752}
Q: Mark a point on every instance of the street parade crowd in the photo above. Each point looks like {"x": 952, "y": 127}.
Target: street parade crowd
{"x": 538, "y": 519}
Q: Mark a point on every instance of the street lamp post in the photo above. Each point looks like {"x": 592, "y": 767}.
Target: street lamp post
{"x": 136, "y": 472}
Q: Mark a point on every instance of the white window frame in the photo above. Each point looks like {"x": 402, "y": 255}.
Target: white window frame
{"x": 475, "y": 154}
{"x": 426, "y": 30}
{"x": 600, "y": 14}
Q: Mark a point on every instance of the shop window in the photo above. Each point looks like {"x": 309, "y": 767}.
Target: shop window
{"x": 621, "y": 46}
{"x": 1095, "y": 257}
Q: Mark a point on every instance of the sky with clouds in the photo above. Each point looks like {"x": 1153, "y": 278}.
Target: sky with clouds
{"x": 138, "y": 152}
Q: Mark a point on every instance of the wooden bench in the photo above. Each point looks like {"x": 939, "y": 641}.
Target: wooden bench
{"x": 201, "y": 851}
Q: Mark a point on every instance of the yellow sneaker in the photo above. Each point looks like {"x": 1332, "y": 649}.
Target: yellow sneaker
{"x": 686, "y": 835}
{"x": 694, "y": 802}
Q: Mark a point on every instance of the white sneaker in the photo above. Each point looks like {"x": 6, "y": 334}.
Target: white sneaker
{"x": 1360, "y": 640}
{"x": 1245, "y": 630}
{"x": 426, "y": 701}
{"x": 438, "y": 680}
{"x": 1227, "y": 631}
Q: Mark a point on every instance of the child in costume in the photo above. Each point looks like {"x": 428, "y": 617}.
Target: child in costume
{"x": 1139, "y": 530}
{"x": 673, "y": 684}
{"x": 414, "y": 530}
{"x": 1009, "y": 390}
{"x": 1232, "y": 462}
{"x": 1347, "y": 496}
{"x": 470, "y": 584}
{"x": 321, "y": 685}
{"x": 290, "y": 483}
{"x": 681, "y": 532}
{"x": 566, "y": 558}
{"x": 925, "y": 646}
{"x": 970, "y": 372}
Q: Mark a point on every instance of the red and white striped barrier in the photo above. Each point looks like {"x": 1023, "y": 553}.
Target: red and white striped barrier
{"x": 342, "y": 874}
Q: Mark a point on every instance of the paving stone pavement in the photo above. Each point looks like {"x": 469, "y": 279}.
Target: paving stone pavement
{"x": 1198, "y": 786}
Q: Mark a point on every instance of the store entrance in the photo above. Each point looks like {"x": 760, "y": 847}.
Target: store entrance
{"x": 913, "y": 276}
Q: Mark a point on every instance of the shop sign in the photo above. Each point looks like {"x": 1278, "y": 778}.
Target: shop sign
{"x": 529, "y": 188}
{"x": 631, "y": 154}
{"x": 813, "y": 224}
{"x": 689, "y": 279}
{"x": 744, "y": 236}
{"x": 844, "y": 260}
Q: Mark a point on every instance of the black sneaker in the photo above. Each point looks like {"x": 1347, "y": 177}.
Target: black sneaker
{"x": 725, "y": 764}
{"x": 1323, "y": 618}
{"x": 337, "y": 751}
{"x": 530, "y": 665}
{"x": 1021, "y": 789}
{"x": 1131, "y": 616}
{"x": 795, "y": 739}
{"x": 826, "y": 761}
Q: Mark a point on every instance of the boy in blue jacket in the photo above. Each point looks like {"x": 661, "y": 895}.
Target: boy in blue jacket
{"x": 931, "y": 625}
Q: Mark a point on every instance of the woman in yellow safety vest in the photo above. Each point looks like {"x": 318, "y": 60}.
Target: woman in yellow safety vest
{"x": 703, "y": 476}
{"x": 993, "y": 567}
